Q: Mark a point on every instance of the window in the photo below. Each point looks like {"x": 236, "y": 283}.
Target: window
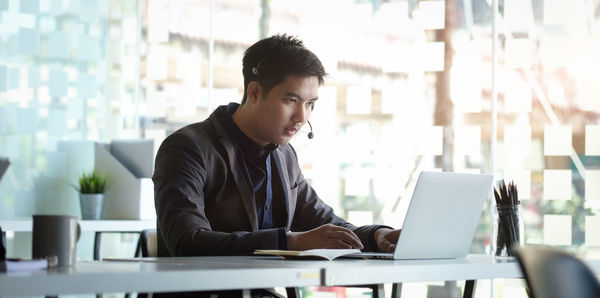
{"x": 410, "y": 89}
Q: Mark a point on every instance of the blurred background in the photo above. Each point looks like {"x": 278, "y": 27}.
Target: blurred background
{"x": 412, "y": 86}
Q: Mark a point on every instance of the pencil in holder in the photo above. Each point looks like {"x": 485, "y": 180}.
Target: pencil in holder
{"x": 508, "y": 232}
{"x": 508, "y": 221}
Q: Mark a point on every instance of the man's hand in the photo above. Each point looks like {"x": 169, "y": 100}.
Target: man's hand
{"x": 386, "y": 239}
{"x": 325, "y": 236}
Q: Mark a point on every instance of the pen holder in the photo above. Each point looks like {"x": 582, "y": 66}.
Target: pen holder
{"x": 508, "y": 229}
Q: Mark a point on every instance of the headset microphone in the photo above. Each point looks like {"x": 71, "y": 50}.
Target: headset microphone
{"x": 310, "y": 134}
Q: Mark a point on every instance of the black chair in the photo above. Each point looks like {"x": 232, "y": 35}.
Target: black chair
{"x": 2, "y": 247}
{"x": 551, "y": 273}
{"x": 148, "y": 244}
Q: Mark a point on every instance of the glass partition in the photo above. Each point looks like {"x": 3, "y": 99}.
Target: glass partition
{"x": 409, "y": 89}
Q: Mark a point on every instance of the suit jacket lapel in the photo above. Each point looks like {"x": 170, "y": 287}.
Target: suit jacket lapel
{"x": 285, "y": 181}
{"x": 240, "y": 180}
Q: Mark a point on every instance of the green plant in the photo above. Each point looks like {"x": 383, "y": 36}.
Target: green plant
{"x": 91, "y": 183}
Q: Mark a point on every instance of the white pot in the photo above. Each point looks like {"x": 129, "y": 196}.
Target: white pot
{"x": 91, "y": 205}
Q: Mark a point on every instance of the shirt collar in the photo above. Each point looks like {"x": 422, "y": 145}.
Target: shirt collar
{"x": 247, "y": 146}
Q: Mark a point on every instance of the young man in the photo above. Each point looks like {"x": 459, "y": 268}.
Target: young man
{"x": 232, "y": 184}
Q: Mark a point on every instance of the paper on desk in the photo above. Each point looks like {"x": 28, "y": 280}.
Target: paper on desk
{"x": 326, "y": 254}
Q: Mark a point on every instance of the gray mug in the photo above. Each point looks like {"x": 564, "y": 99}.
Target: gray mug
{"x": 55, "y": 236}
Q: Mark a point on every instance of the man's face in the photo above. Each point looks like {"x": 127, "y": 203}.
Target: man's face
{"x": 280, "y": 114}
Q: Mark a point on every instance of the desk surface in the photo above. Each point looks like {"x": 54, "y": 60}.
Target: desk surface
{"x": 189, "y": 274}
{"x": 223, "y": 273}
{"x": 110, "y": 225}
{"x": 375, "y": 271}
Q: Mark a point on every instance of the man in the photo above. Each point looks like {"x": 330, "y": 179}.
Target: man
{"x": 232, "y": 184}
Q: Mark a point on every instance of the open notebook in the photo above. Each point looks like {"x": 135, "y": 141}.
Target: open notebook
{"x": 325, "y": 254}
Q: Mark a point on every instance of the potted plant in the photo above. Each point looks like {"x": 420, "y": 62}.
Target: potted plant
{"x": 91, "y": 194}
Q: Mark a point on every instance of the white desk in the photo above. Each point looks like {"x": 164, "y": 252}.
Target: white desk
{"x": 190, "y": 274}
{"x": 373, "y": 271}
{"x": 226, "y": 273}
{"x": 377, "y": 272}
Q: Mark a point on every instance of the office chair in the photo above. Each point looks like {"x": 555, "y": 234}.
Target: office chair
{"x": 551, "y": 273}
{"x": 2, "y": 247}
{"x": 148, "y": 244}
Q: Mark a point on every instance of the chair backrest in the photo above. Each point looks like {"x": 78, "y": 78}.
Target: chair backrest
{"x": 2, "y": 248}
{"x": 148, "y": 243}
{"x": 551, "y": 273}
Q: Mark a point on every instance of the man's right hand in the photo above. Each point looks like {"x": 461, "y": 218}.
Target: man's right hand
{"x": 325, "y": 236}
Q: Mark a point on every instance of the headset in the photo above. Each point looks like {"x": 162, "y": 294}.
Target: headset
{"x": 310, "y": 134}
{"x": 255, "y": 68}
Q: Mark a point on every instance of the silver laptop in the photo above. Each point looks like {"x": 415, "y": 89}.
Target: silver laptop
{"x": 442, "y": 217}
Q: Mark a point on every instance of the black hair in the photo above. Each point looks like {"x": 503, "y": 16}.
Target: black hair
{"x": 270, "y": 60}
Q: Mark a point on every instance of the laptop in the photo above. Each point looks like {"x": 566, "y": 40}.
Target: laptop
{"x": 442, "y": 217}
{"x": 4, "y": 163}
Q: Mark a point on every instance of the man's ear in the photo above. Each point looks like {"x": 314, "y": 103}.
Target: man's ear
{"x": 254, "y": 91}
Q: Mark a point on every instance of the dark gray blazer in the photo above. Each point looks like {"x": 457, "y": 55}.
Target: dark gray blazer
{"x": 205, "y": 206}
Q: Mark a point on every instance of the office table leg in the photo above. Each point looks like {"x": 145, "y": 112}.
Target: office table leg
{"x": 469, "y": 288}
{"x": 378, "y": 291}
{"x": 396, "y": 290}
{"x": 138, "y": 247}
{"x": 293, "y": 292}
{"x": 97, "y": 238}
{"x": 97, "y": 246}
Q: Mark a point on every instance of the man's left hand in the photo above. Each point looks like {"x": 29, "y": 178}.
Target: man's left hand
{"x": 386, "y": 239}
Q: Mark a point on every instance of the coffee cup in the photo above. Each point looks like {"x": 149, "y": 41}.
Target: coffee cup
{"x": 55, "y": 237}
